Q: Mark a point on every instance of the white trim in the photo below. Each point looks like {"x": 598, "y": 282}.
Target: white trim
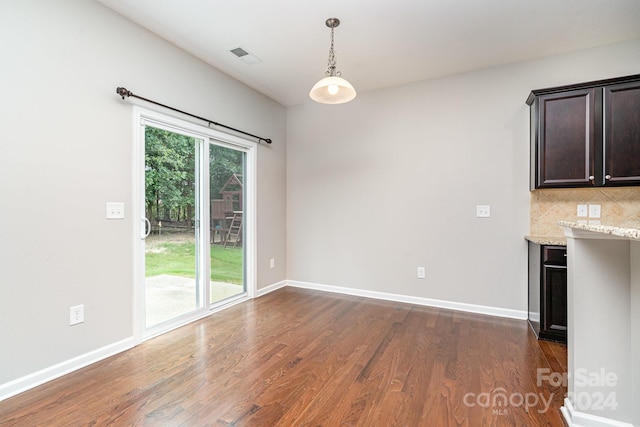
{"x": 202, "y": 212}
{"x": 451, "y": 305}
{"x": 274, "y": 287}
{"x": 137, "y": 195}
{"x": 42, "y": 376}
{"x": 472, "y": 308}
{"x": 250, "y": 232}
{"x": 580, "y": 419}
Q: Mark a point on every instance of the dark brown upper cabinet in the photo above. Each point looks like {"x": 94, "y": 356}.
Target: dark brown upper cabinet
{"x": 586, "y": 135}
{"x": 622, "y": 133}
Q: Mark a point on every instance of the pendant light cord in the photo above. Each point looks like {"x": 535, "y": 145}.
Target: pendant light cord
{"x": 331, "y": 63}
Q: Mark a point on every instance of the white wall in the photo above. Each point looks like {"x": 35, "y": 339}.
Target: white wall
{"x": 66, "y": 150}
{"x": 390, "y": 182}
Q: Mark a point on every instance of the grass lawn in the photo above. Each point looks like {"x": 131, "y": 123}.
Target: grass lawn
{"x": 178, "y": 259}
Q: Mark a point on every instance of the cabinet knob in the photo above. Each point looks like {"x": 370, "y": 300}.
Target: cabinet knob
{"x": 607, "y": 177}
{"x": 591, "y": 177}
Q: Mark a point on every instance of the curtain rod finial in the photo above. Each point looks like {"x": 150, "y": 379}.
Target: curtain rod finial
{"x": 123, "y": 92}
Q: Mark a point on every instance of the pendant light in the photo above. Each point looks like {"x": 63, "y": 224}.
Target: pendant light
{"x": 332, "y": 89}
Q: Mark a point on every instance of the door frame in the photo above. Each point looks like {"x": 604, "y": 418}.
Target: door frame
{"x": 142, "y": 117}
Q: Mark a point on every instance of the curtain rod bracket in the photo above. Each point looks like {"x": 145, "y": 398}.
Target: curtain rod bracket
{"x": 123, "y": 92}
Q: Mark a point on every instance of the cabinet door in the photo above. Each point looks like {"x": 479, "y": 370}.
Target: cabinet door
{"x": 555, "y": 301}
{"x": 566, "y": 139}
{"x": 622, "y": 134}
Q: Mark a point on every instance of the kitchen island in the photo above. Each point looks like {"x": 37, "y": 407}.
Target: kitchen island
{"x": 603, "y": 315}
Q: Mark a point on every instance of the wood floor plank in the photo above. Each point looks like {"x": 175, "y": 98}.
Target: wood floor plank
{"x": 308, "y": 358}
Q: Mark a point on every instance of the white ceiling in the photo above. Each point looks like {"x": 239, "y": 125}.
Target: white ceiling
{"x": 379, "y": 43}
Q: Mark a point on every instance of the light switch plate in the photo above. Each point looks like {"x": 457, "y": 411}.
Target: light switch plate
{"x": 115, "y": 210}
{"x": 582, "y": 211}
{"x": 594, "y": 211}
{"x": 483, "y": 211}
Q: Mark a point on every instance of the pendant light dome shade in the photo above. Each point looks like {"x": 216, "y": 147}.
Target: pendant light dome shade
{"x": 332, "y": 90}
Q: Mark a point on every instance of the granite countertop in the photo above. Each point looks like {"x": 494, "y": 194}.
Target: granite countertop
{"x": 628, "y": 232}
{"x": 548, "y": 240}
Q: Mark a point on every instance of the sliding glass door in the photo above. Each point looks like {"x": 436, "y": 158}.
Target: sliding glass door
{"x": 195, "y": 208}
{"x": 173, "y": 271}
{"x": 227, "y": 201}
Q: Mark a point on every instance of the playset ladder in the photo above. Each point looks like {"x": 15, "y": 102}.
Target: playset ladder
{"x": 235, "y": 229}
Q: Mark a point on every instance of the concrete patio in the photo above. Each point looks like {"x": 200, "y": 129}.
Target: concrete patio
{"x": 170, "y": 296}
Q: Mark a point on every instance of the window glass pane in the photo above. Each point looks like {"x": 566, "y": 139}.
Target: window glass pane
{"x": 227, "y": 195}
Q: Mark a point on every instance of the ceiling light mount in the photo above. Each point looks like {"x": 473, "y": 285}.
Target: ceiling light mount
{"x": 332, "y": 22}
{"x": 332, "y": 89}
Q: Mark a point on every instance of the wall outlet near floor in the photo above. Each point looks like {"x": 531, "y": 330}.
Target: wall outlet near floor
{"x": 421, "y": 273}
{"x": 76, "y": 314}
{"x": 272, "y": 263}
{"x": 594, "y": 211}
{"x": 582, "y": 211}
{"x": 483, "y": 211}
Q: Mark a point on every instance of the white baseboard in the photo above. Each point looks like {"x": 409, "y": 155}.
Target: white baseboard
{"x": 263, "y": 291}
{"x": 452, "y": 305}
{"x": 35, "y": 379}
{"x": 580, "y": 419}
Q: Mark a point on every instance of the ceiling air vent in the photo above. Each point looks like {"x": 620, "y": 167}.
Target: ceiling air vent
{"x": 245, "y": 56}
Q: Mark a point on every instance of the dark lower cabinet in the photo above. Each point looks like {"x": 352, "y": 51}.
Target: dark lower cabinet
{"x": 548, "y": 291}
{"x": 554, "y": 313}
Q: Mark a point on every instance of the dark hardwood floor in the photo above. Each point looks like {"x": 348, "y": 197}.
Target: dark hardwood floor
{"x": 305, "y": 358}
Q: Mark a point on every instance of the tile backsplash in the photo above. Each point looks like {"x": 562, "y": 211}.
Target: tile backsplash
{"x": 619, "y": 206}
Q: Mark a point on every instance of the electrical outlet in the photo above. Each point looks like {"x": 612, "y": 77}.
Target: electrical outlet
{"x": 421, "y": 273}
{"x": 76, "y": 314}
{"x": 115, "y": 210}
{"x": 594, "y": 211}
{"x": 582, "y": 211}
{"x": 483, "y": 211}
{"x": 272, "y": 263}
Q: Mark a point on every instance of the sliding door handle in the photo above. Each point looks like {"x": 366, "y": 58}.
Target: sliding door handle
{"x": 146, "y": 227}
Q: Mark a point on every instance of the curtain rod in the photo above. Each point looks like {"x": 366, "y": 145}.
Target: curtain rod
{"x": 124, "y": 92}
